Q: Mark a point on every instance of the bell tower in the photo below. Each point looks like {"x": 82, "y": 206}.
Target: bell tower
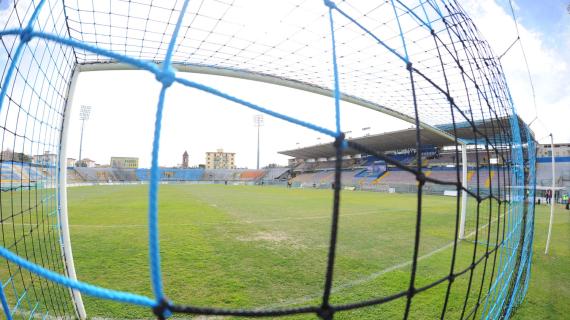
{"x": 185, "y": 159}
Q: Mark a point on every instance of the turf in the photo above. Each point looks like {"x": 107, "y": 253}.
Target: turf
{"x": 256, "y": 247}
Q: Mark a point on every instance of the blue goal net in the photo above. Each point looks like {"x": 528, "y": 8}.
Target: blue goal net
{"x": 423, "y": 62}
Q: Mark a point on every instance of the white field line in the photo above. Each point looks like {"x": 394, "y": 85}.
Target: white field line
{"x": 367, "y": 278}
{"x": 306, "y": 298}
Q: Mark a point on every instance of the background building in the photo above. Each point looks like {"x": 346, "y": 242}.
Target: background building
{"x": 124, "y": 162}
{"x": 85, "y": 163}
{"x": 185, "y": 159}
{"x": 560, "y": 150}
{"x": 46, "y": 159}
{"x": 220, "y": 160}
{"x": 70, "y": 162}
{"x": 9, "y": 155}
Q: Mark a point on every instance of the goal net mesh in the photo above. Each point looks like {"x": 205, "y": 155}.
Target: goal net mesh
{"x": 421, "y": 61}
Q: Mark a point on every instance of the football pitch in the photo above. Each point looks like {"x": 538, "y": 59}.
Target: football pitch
{"x": 266, "y": 247}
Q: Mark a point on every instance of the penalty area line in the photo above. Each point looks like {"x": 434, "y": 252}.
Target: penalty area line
{"x": 369, "y": 277}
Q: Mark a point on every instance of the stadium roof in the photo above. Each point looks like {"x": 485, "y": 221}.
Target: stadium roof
{"x": 394, "y": 140}
{"x": 495, "y": 130}
{"x": 404, "y": 139}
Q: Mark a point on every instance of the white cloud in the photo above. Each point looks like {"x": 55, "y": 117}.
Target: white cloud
{"x": 549, "y": 65}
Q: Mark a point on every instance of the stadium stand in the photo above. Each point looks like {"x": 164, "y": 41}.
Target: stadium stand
{"x": 88, "y": 174}
{"x": 404, "y": 158}
{"x": 562, "y": 174}
{"x": 36, "y": 173}
{"x": 314, "y": 179}
{"x": 193, "y": 174}
{"x": 80, "y": 174}
{"x": 368, "y": 161}
{"x": 252, "y": 175}
{"x": 221, "y": 175}
{"x": 482, "y": 155}
{"x": 444, "y": 158}
{"x": 143, "y": 174}
{"x": 25, "y": 171}
{"x": 305, "y": 166}
{"x": 367, "y": 173}
{"x": 24, "y": 175}
{"x": 8, "y": 173}
{"x": 353, "y": 178}
{"x": 73, "y": 176}
{"x": 444, "y": 174}
{"x": 280, "y": 174}
{"x": 396, "y": 176}
{"x": 362, "y": 174}
{"x": 126, "y": 174}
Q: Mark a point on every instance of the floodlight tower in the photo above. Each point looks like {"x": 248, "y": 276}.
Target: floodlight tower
{"x": 258, "y": 122}
{"x": 83, "y": 116}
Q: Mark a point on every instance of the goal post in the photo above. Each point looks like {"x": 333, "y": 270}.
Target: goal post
{"x": 66, "y": 250}
{"x": 553, "y": 192}
{"x": 463, "y": 192}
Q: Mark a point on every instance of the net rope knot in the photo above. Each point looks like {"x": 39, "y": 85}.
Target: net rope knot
{"x": 330, "y": 4}
{"x": 325, "y": 312}
{"x": 26, "y": 35}
{"x": 166, "y": 76}
{"x": 340, "y": 142}
{"x": 162, "y": 309}
{"x": 421, "y": 177}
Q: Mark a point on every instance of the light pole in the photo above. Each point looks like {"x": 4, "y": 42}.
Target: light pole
{"x": 258, "y": 122}
{"x": 83, "y": 116}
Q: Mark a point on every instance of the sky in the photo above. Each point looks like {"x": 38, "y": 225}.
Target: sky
{"x": 124, "y": 102}
{"x": 544, "y": 28}
{"x": 122, "y": 119}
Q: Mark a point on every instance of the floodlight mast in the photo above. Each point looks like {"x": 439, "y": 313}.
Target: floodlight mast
{"x": 83, "y": 116}
{"x": 258, "y": 122}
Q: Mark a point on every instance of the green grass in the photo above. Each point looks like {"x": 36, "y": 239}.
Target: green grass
{"x": 29, "y": 229}
{"x": 254, "y": 247}
{"x": 236, "y": 246}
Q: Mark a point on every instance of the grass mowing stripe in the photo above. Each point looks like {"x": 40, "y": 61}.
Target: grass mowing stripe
{"x": 200, "y": 223}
